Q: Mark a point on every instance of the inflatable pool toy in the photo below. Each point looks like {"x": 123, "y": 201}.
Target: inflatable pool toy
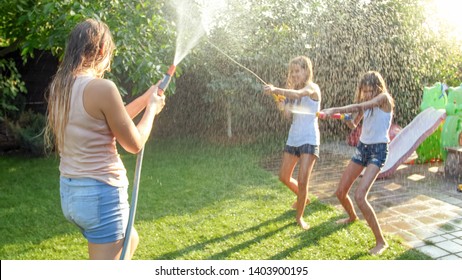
{"x": 452, "y": 128}
{"x": 430, "y": 149}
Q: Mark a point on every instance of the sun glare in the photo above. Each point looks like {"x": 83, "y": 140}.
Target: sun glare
{"x": 444, "y": 17}
{"x": 210, "y": 10}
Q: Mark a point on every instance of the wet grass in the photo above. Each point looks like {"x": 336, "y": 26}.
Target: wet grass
{"x": 196, "y": 202}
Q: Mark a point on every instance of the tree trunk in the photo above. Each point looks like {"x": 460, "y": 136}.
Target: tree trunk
{"x": 229, "y": 128}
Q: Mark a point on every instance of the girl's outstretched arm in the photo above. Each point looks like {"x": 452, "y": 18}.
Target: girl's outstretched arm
{"x": 377, "y": 101}
{"x": 311, "y": 90}
{"x": 358, "y": 109}
{"x": 136, "y": 106}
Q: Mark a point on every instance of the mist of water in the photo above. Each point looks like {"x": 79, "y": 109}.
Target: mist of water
{"x": 194, "y": 20}
{"x": 343, "y": 41}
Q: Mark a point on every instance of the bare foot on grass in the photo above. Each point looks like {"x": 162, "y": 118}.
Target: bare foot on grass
{"x": 294, "y": 206}
{"x": 378, "y": 249}
{"x": 303, "y": 224}
{"x": 346, "y": 221}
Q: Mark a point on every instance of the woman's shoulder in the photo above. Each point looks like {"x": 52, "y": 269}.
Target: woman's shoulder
{"x": 313, "y": 86}
{"x": 314, "y": 91}
{"x": 102, "y": 90}
{"x": 102, "y": 83}
{"x": 103, "y": 86}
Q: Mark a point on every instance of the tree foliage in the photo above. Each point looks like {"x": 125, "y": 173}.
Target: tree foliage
{"x": 10, "y": 86}
{"x": 142, "y": 31}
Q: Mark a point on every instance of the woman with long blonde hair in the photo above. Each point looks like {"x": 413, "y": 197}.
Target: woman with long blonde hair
{"x": 303, "y": 142}
{"x": 86, "y": 117}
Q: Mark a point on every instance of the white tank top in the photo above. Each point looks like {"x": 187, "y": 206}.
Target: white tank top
{"x": 376, "y": 124}
{"x": 305, "y": 128}
{"x": 89, "y": 148}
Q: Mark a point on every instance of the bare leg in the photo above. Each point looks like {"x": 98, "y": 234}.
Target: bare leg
{"x": 112, "y": 251}
{"x": 352, "y": 171}
{"x": 134, "y": 241}
{"x": 294, "y": 205}
{"x": 285, "y": 175}
{"x": 361, "y": 193}
{"x": 307, "y": 162}
{"x": 287, "y": 169}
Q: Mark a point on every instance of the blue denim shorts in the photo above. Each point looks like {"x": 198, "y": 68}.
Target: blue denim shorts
{"x": 99, "y": 210}
{"x": 371, "y": 154}
{"x": 303, "y": 149}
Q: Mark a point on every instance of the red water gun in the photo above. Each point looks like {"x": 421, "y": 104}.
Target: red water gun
{"x": 346, "y": 117}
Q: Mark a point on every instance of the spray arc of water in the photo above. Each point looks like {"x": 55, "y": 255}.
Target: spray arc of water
{"x": 194, "y": 20}
{"x": 189, "y": 31}
{"x": 239, "y": 64}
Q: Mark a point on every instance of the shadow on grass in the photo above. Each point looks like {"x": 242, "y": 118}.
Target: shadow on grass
{"x": 286, "y": 216}
{"x": 310, "y": 237}
{"x": 200, "y": 246}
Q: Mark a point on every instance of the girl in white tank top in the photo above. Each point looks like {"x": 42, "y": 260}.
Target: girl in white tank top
{"x": 303, "y": 140}
{"x": 374, "y": 105}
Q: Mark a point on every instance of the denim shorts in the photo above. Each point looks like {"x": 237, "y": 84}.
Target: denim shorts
{"x": 303, "y": 149}
{"x": 99, "y": 210}
{"x": 366, "y": 154}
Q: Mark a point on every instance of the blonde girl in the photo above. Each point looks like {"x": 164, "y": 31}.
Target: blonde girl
{"x": 302, "y": 145}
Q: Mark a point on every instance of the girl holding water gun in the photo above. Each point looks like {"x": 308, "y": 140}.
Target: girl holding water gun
{"x": 374, "y": 106}
{"x": 303, "y": 141}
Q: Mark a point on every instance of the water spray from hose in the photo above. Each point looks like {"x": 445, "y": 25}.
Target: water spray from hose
{"x": 239, "y": 64}
{"x": 281, "y": 98}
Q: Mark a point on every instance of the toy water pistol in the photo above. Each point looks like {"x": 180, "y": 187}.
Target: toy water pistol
{"x": 345, "y": 117}
{"x": 279, "y": 99}
{"x": 166, "y": 80}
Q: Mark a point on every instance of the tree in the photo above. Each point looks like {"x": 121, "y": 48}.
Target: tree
{"x": 142, "y": 30}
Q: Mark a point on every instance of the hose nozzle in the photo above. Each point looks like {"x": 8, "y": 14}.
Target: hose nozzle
{"x": 166, "y": 80}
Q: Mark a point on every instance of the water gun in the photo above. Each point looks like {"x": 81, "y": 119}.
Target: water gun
{"x": 166, "y": 80}
{"x": 346, "y": 117}
{"x": 278, "y": 98}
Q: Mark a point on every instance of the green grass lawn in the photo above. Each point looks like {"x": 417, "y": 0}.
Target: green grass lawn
{"x": 196, "y": 202}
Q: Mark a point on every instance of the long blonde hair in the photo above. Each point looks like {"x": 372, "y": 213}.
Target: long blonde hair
{"x": 374, "y": 80}
{"x": 305, "y": 63}
{"x": 89, "y": 48}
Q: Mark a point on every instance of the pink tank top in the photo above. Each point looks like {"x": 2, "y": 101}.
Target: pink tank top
{"x": 89, "y": 147}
